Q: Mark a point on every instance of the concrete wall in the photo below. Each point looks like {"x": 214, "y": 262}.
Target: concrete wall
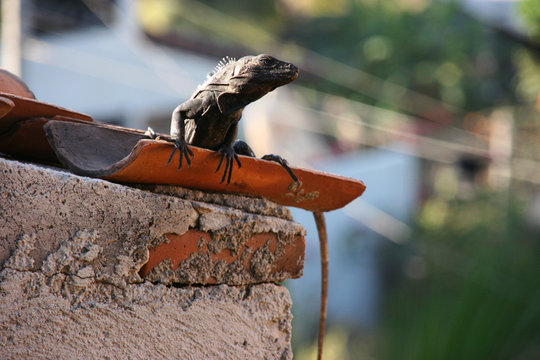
{"x": 71, "y": 287}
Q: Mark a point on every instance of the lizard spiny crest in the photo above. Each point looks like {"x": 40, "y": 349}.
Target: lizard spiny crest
{"x": 210, "y": 76}
{"x": 221, "y": 64}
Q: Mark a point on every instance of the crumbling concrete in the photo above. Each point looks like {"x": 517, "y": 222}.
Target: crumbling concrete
{"x": 52, "y": 205}
{"x": 71, "y": 317}
{"x": 72, "y": 248}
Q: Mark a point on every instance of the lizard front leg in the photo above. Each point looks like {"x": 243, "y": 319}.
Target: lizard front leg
{"x": 282, "y": 162}
{"x": 178, "y": 132}
{"x": 242, "y": 148}
{"x": 228, "y": 153}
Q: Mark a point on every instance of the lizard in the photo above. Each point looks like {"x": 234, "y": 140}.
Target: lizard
{"x": 209, "y": 119}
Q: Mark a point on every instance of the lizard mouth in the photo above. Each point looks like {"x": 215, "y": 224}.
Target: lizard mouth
{"x": 293, "y": 71}
{"x": 290, "y": 73}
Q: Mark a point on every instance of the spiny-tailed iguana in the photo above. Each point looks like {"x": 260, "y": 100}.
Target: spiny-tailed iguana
{"x": 209, "y": 119}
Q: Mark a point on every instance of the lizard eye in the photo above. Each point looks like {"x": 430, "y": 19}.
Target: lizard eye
{"x": 266, "y": 61}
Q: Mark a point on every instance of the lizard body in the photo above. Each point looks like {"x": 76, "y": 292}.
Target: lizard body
{"x": 209, "y": 119}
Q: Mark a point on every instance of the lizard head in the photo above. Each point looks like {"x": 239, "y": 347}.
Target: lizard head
{"x": 249, "y": 79}
{"x": 261, "y": 73}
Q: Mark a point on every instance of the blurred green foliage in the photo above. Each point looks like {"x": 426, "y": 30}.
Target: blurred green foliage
{"x": 340, "y": 343}
{"x": 531, "y": 13}
{"x": 528, "y": 84}
{"x": 428, "y": 47}
{"x": 439, "y": 51}
{"x": 479, "y": 296}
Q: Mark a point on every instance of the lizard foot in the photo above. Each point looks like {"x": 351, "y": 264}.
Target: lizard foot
{"x": 229, "y": 154}
{"x": 181, "y": 146}
{"x": 282, "y": 162}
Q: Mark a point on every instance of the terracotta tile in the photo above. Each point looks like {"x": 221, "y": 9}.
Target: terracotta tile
{"x": 318, "y": 191}
{"x": 12, "y": 84}
{"x": 26, "y": 108}
{"x": 125, "y": 155}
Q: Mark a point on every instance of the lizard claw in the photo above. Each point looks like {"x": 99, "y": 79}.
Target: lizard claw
{"x": 229, "y": 154}
{"x": 185, "y": 151}
{"x": 282, "y": 162}
{"x": 151, "y": 133}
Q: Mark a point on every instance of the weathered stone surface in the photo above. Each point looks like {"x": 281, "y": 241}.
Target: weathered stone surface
{"x": 52, "y": 207}
{"x": 245, "y": 203}
{"x": 73, "y": 317}
{"x": 192, "y": 258}
{"x": 122, "y": 223}
{"x": 71, "y": 251}
{"x": 229, "y": 250}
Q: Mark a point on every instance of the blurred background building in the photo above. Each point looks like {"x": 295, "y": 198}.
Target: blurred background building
{"x": 434, "y": 104}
